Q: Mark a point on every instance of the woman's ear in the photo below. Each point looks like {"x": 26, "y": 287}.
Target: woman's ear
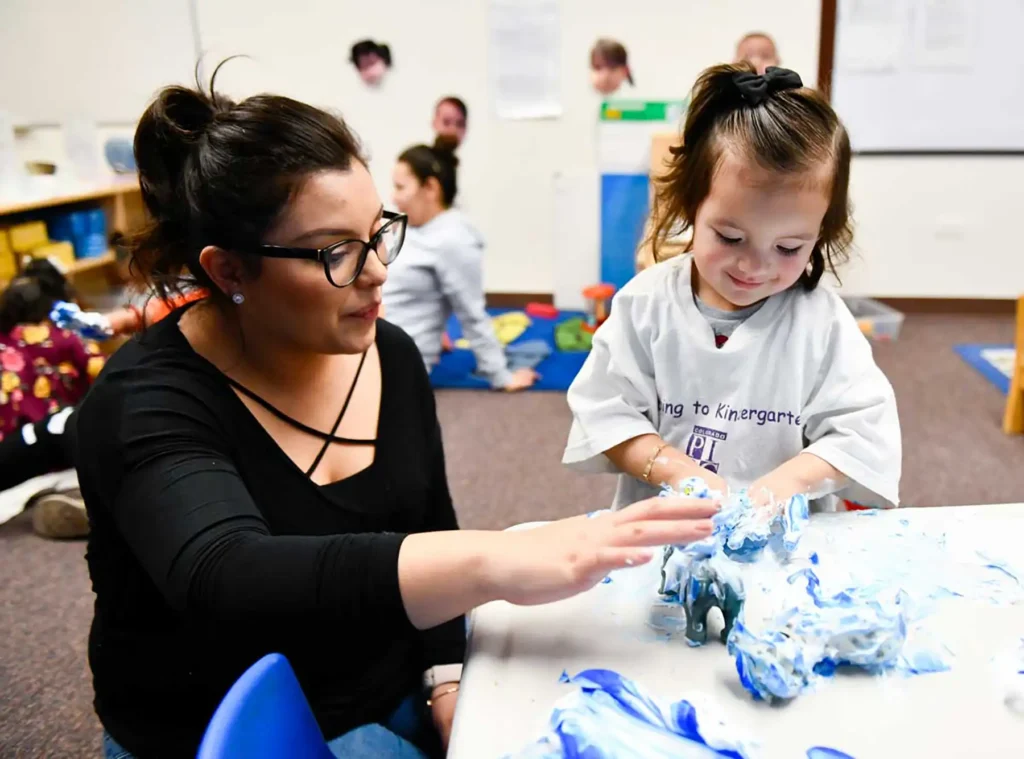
{"x": 223, "y": 268}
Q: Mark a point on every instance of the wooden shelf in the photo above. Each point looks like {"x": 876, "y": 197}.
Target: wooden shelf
{"x": 90, "y": 264}
{"x": 9, "y": 206}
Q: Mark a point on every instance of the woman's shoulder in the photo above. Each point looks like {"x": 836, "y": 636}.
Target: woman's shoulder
{"x": 156, "y": 365}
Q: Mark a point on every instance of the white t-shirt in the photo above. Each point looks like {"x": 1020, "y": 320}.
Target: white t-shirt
{"x": 798, "y": 375}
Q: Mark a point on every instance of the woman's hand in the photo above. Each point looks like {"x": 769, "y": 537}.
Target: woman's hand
{"x": 561, "y": 559}
{"x": 520, "y": 380}
{"x": 442, "y": 709}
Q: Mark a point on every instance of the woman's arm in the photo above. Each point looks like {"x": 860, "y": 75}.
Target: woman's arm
{"x": 460, "y": 273}
{"x": 183, "y": 509}
{"x": 443, "y": 574}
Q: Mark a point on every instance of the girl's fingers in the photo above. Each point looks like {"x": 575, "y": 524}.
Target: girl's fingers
{"x": 661, "y": 532}
{"x": 668, "y": 509}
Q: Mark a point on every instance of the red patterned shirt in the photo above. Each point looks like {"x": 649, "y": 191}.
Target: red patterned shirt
{"x": 42, "y": 369}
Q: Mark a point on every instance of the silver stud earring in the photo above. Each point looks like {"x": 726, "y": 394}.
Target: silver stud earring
{"x": 238, "y": 299}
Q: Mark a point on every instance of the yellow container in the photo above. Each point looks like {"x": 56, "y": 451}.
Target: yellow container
{"x": 58, "y": 251}
{"x": 8, "y": 264}
{"x": 25, "y": 237}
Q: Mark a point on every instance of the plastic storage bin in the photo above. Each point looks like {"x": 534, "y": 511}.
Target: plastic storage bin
{"x": 876, "y": 320}
{"x": 86, "y": 230}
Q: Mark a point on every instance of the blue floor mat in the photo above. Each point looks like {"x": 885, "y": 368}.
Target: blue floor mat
{"x": 557, "y": 371}
{"x": 973, "y": 354}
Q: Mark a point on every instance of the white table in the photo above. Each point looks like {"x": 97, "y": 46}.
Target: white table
{"x": 516, "y": 655}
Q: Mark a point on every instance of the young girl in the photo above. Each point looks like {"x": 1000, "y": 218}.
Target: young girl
{"x": 441, "y": 268}
{"x": 730, "y": 362}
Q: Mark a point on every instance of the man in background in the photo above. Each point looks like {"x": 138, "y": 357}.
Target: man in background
{"x": 759, "y": 49}
{"x": 450, "y": 118}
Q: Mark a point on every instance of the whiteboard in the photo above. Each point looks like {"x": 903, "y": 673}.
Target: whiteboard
{"x": 930, "y": 75}
{"x": 102, "y": 59}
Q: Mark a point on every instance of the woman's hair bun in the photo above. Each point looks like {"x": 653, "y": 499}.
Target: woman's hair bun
{"x": 444, "y": 148}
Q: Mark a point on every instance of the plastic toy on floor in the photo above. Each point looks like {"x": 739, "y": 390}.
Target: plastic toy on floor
{"x": 597, "y": 306}
{"x": 706, "y": 574}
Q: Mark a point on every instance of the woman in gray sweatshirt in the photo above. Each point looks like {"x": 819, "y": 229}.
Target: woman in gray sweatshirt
{"x": 440, "y": 271}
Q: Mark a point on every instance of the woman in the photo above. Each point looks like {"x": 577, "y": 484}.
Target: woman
{"x": 441, "y": 270}
{"x": 264, "y": 469}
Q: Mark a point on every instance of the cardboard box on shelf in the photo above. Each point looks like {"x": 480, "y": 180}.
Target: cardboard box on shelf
{"x": 61, "y": 251}
{"x": 28, "y": 235}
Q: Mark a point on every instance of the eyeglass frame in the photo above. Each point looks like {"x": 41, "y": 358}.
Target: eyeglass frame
{"x": 321, "y": 254}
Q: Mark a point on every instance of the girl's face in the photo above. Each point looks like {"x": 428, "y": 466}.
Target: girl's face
{"x": 420, "y": 201}
{"x": 755, "y": 231}
{"x": 449, "y": 122}
{"x": 607, "y": 77}
{"x": 292, "y": 300}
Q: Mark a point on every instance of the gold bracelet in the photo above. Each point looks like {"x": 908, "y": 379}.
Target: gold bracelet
{"x": 650, "y": 462}
{"x": 442, "y": 694}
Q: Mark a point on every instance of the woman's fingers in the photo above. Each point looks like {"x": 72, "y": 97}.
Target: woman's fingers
{"x": 661, "y": 532}
{"x": 667, "y": 509}
{"x": 609, "y": 559}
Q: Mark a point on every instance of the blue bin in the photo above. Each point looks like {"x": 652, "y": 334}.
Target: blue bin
{"x": 85, "y": 230}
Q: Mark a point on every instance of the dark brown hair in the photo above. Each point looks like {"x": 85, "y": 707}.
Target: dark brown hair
{"x": 369, "y": 47}
{"x": 24, "y": 301}
{"x": 791, "y": 132}
{"x": 214, "y": 172}
{"x": 438, "y": 162}
{"x": 612, "y": 53}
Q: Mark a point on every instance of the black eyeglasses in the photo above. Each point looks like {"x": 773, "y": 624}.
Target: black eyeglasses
{"x": 344, "y": 261}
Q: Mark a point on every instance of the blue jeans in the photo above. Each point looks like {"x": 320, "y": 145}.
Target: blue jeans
{"x": 389, "y": 741}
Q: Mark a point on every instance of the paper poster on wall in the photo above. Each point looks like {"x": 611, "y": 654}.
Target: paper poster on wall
{"x": 624, "y": 136}
{"x": 943, "y": 35}
{"x": 871, "y": 35}
{"x": 524, "y": 58}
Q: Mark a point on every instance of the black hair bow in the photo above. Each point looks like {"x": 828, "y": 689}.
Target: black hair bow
{"x": 755, "y": 88}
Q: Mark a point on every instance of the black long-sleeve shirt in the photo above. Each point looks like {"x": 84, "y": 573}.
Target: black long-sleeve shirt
{"x": 210, "y": 547}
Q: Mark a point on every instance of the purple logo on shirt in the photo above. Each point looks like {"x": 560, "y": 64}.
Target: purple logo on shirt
{"x": 702, "y": 445}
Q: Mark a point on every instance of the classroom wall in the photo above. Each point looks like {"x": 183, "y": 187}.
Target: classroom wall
{"x": 530, "y": 186}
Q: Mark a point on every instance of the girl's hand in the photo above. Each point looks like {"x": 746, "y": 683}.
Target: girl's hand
{"x": 520, "y": 380}
{"x": 561, "y": 559}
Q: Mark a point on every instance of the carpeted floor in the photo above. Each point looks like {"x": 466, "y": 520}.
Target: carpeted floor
{"x": 503, "y": 454}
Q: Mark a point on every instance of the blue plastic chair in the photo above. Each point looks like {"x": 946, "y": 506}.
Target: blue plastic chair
{"x": 265, "y": 715}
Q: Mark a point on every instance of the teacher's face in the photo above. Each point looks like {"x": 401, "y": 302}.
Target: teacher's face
{"x": 292, "y": 300}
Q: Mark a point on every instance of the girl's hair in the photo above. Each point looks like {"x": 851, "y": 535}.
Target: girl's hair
{"x": 24, "y": 302}
{"x": 612, "y": 53}
{"x": 439, "y": 162}
{"x": 52, "y": 283}
{"x": 369, "y": 47}
{"x": 214, "y": 172}
{"x": 459, "y": 104}
{"x": 790, "y": 131}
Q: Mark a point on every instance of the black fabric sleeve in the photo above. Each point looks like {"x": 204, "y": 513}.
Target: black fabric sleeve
{"x": 190, "y": 521}
{"x": 446, "y": 643}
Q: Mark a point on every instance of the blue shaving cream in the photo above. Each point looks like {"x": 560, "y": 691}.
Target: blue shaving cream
{"x": 608, "y": 716}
